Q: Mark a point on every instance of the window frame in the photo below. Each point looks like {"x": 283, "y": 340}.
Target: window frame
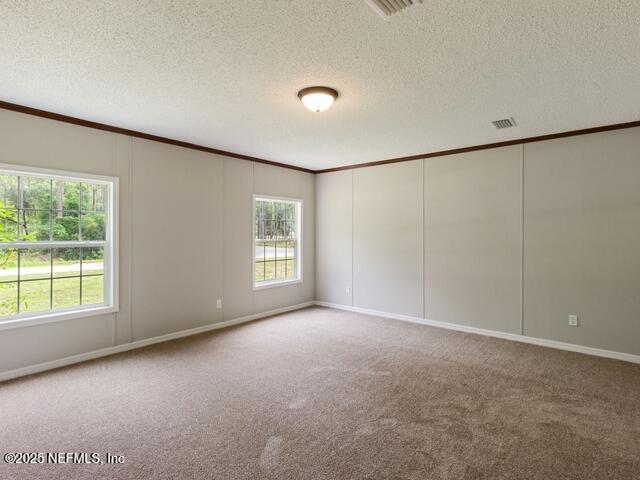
{"x": 110, "y": 244}
{"x": 298, "y": 250}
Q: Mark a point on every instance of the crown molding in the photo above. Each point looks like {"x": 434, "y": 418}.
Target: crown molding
{"x": 134, "y": 133}
{"x": 147, "y": 136}
{"x": 486, "y": 146}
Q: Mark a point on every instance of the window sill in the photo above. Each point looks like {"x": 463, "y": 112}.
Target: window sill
{"x": 51, "y": 317}
{"x": 284, "y": 283}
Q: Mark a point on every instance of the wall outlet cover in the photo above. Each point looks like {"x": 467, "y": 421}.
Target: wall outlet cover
{"x": 573, "y": 320}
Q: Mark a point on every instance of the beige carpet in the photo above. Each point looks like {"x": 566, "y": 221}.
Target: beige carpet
{"x": 324, "y": 394}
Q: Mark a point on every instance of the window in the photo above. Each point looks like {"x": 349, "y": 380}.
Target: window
{"x": 56, "y": 244}
{"x": 277, "y": 241}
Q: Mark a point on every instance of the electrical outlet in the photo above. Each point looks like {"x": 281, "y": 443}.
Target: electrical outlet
{"x": 348, "y": 289}
{"x": 219, "y": 303}
{"x": 573, "y": 320}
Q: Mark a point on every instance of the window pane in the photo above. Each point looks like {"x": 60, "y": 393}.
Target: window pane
{"x": 66, "y": 195}
{"x": 92, "y": 261}
{"x": 35, "y": 296}
{"x": 291, "y": 208}
{"x": 35, "y": 263}
{"x": 259, "y": 271}
{"x": 271, "y": 221}
{"x": 276, "y": 222}
{"x": 256, "y": 221}
{"x": 269, "y": 250}
{"x": 283, "y": 220}
{"x": 8, "y": 298}
{"x": 35, "y": 225}
{"x": 8, "y": 208}
{"x": 291, "y": 269}
{"x": 36, "y": 208}
{"x": 291, "y": 249}
{"x": 259, "y": 250}
{"x": 259, "y": 220}
{"x": 8, "y": 224}
{"x": 8, "y": 265}
{"x": 93, "y": 290}
{"x": 65, "y": 226}
{"x": 261, "y": 214}
{"x": 281, "y": 266}
{"x": 264, "y": 215}
{"x": 93, "y": 197}
{"x": 66, "y": 262}
{"x": 281, "y": 252}
{"x": 8, "y": 191}
{"x": 269, "y": 270}
{"x": 36, "y": 193}
{"x": 93, "y": 226}
{"x": 279, "y": 209}
{"x": 66, "y": 292}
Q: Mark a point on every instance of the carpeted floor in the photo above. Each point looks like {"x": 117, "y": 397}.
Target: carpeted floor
{"x": 325, "y": 394}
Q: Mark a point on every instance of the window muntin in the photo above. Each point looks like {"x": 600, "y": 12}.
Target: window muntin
{"x": 277, "y": 242}
{"x": 56, "y": 243}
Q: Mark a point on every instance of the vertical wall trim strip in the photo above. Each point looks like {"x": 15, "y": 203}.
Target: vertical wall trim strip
{"x": 352, "y": 240}
{"x": 114, "y": 173}
{"x": 424, "y": 242}
{"x": 253, "y": 240}
{"x": 131, "y": 244}
{"x": 522, "y": 239}
{"x": 223, "y": 215}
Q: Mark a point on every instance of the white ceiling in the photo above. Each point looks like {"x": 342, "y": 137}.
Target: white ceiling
{"x": 225, "y": 73}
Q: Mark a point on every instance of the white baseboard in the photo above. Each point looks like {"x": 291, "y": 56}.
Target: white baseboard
{"x": 627, "y": 357}
{"x": 41, "y": 367}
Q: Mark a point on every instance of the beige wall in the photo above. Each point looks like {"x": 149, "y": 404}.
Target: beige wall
{"x": 473, "y": 226}
{"x": 237, "y": 231}
{"x": 387, "y": 238}
{"x": 172, "y": 268}
{"x": 177, "y": 238}
{"x": 515, "y": 239}
{"x": 582, "y": 240}
{"x": 334, "y": 193}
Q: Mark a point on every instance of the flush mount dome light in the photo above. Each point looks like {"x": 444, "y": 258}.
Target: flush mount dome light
{"x": 317, "y": 99}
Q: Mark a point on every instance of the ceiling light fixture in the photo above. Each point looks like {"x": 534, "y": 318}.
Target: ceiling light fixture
{"x": 317, "y": 99}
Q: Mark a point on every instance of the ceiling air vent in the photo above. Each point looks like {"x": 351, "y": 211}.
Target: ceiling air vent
{"x": 386, "y": 8}
{"x": 504, "y": 123}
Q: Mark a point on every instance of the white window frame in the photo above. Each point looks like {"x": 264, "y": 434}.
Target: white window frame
{"x": 299, "y": 240}
{"x": 110, "y": 245}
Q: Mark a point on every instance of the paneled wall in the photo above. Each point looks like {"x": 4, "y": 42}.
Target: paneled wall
{"x": 512, "y": 239}
{"x": 582, "y": 240}
{"x": 473, "y": 227}
{"x": 185, "y": 226}
{"x": 334, "y": 245}
{"x": 387, "y": 238}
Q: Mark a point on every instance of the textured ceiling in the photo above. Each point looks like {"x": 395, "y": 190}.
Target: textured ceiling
{"x": 225, "y": 73}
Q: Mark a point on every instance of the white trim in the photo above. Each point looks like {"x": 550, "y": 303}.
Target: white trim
{"x": 276, "y": 283}
{"x": 626, "y": 357}
{"x": 299, "y": 202}
{"x": 54, "y": 244}
{"x": 51, "y": 316}
{"x": 30, "y": 171}
{"x": 82, "y": 357}
{"x": 112, "y": 255}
